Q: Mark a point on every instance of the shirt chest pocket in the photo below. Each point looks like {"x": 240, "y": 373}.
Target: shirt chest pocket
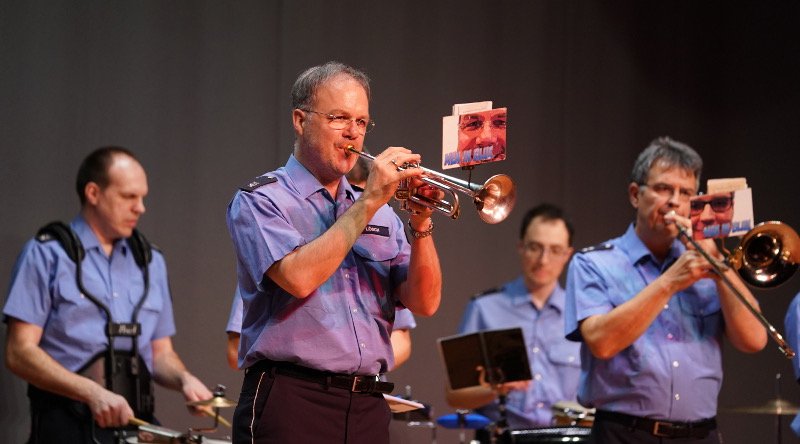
{"x": 566, "y": 355}
{"x": 699, "y": 300}
{"x": 152, "y": 303}
{"x": 376, "y": 248}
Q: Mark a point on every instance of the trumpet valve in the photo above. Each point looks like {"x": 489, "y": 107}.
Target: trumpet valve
{"x": 403, "y": 192}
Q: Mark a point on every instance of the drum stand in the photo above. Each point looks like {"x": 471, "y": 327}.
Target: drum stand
{"x": 501, "y": 425}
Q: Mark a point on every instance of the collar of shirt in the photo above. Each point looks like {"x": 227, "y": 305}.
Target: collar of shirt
{"x": 638, "y": 252}
{"x": 306, "y": 184}
{"x": 89, "y": 239}
{"x": 85, "y": 234}
{"x": 520, "y": 295}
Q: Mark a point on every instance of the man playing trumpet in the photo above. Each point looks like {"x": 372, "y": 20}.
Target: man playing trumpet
{"x": 651, "y": 314}
{"x": 321, "y": 269}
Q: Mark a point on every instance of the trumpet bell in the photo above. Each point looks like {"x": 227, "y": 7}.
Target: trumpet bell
{"x": 495, "y": 199}
{"x": 768, "y": 255}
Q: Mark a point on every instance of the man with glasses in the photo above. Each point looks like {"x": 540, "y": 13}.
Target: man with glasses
{"x": 534, "y": 302}
{"x": 321, "y": 271}
{"x": 711, "y": 215}
{"x": 404, "y": 321}
{"x": 651, "y": 314}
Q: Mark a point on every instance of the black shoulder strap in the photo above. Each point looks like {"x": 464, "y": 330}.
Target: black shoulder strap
{"x": 64, "y": 234}
{"x": 486, "y": 292}
{"x": 140, "y": 248}
{"x": 258, "y": 182}
{"x": 605, "y": 246}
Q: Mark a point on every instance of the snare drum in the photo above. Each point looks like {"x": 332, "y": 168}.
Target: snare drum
{"x": 134, "y": 440}
{"x": 570, "y": 413}
{"x": 153, "y": 434}
{"x": 551, "y": 435}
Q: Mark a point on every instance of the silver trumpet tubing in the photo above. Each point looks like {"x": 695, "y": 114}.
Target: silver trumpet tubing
{"x": 494, "y": 200}
{"x": 767, "y": 256}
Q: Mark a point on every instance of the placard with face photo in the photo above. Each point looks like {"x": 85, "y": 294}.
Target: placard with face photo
{"x": 721, "y": 214}
{"x": 474, "y": 134}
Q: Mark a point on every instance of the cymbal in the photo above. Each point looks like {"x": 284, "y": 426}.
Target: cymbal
{"x": 771, "y": 407}
{"x": 216, "y": 402}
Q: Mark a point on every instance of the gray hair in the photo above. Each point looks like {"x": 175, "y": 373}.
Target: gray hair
{"x": 667, "y": 152}
{"x": 305, "y": 87}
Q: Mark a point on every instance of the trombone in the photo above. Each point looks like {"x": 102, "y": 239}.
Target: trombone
{"x": 494, "y": 200}
{"x": 767, "y": 256}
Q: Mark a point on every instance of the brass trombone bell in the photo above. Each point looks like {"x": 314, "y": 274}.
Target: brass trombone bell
{"x": 768, "y": 255}
{"x": 494, "y": 200}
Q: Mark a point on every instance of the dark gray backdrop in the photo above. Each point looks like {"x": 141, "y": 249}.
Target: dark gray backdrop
{"x": 199, "y": 89}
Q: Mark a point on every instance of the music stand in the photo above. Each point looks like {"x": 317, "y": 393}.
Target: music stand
{"x": 502, "y": 354}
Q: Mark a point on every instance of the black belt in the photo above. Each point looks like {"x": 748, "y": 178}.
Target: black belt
{"x": 659, "y": 427}
{"x": 353, "y": 383}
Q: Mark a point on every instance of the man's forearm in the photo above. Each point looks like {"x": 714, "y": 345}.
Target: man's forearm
{"x": 305, "y": 269}
{"x": 422, "y": 291}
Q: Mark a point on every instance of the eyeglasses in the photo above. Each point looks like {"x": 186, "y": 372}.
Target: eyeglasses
{"x": 473, "y": 124}
{"x": 536, "y": 250}
{"x": 339, "y": 122}
{"x": 719, "y": 204}
{"x": 667, "y": 191}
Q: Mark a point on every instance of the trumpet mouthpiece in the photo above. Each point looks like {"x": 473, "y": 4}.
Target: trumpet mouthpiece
{"x": 351, "y": 149}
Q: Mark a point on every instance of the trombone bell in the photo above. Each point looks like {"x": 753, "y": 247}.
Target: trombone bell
{"x": 768, "y": 255}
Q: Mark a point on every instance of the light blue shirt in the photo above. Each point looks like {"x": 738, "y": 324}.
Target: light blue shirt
{"x": 793, "y": 338}
{"x": 555, "y": 362}
{"x": 344, "y": 325}
{"x": 235, "y": 318}
{"x": 43, "y": 292}
{"x": 674, "y": 370}
{"x": 403, "y": 320}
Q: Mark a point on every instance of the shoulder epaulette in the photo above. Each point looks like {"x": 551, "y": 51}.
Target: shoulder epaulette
{"x": 599, "y": 247}
{"x": 259, "y": 181}
{"x": 487, "y": 292}
{"x": 65, "y": 236}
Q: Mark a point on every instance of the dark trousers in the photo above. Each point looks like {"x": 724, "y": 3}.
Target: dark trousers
{"x": 59, "y": 420}
{"x": 276, "y": 408}
{"x": 607, "y": 432}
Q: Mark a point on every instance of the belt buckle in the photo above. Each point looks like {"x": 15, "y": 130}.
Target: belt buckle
{"x": 358, "y": 379}
{"x": 657, "y": 429}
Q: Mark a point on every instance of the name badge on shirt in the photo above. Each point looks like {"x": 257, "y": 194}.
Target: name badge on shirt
{"x": 125, "y": 329}
{"x": 377, "y": 230}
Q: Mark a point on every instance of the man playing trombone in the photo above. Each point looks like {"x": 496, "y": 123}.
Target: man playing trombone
{"x": 321, "y": 269}
{"x": 651, "y": 314}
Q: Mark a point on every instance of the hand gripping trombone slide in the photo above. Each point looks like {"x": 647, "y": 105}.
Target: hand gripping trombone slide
{"x": 767, "y": 256}
{"x": 494, "y": 200}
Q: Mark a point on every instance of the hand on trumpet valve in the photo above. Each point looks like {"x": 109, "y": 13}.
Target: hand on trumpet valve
{"x": 422, "y": 189}
{"x": 388, "y": 169}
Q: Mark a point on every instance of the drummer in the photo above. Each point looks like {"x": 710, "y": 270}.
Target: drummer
{"x": 534, "y": 302}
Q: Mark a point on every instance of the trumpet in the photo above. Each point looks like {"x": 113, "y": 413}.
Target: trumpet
{"x": 767, "y": 256}
{"x": 494, "y": 200}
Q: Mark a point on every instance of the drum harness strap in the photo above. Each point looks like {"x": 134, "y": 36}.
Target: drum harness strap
{"x": 141, "y": 250}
